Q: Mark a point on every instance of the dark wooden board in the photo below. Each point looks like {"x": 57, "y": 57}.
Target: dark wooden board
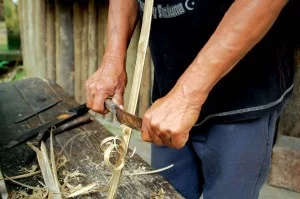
{"x": 19, "y": 98}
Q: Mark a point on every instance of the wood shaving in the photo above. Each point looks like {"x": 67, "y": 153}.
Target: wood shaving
{"x": 22, "y": 176}
{"x": 142, "y": 171}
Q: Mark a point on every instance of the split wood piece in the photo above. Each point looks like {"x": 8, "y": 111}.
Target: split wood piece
{"x": 77, "y": 32}
{"x": 47, "y": 171}
{"x": 50, "y": 40}
{"x": 141, "y": 54}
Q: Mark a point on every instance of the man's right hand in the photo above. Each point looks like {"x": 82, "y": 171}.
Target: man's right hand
{"x": 108, "y": 81}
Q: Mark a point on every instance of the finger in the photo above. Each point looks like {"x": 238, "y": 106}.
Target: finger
{"x": 118, "y": 99}
{"x": 98, "y": 103}
{"x": 145, "y": 134}
{"x": 90, "y": 91}
{"x": 154, "y": 134}
{"x": 178, "y": 141}
{"x": 166, "y": 140}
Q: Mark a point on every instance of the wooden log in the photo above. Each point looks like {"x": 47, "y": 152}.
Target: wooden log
{"x": 40, "y": 37}
{"x": 84, "y": 51}
{"x": 64, "y": 46}
{"x": 50, "y": 40}
{"x": 77, "y": 31}
{"x": 92, "y": 37}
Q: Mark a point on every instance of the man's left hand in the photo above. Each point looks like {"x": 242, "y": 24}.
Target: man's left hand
{"x": 169, "y": 120}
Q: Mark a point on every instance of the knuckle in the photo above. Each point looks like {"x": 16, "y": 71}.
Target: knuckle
{"x": 178, "y": 146}
{"x": 91, "y": 86}
{"x": 156, "y": 125}
{"x": 99, "y": 87}
{"x": 147, "y": 116}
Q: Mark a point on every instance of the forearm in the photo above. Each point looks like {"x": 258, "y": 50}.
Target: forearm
{"x": 122, "y": 19}
{"x": 243, "y": 26}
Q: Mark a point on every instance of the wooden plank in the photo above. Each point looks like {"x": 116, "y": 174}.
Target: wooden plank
{"x": 50, "y": 40}
{"x": 64, "y": 46}
{"x": 40, "y": 37}
{"x": 92, "y": 37}
{"x": 102, "y": 28}
{"x": 77, "y": 31}
{"x": 29, "y": 35}
{"x": 84, "y": 51}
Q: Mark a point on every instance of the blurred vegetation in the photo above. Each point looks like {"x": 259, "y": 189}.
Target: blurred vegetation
{"x": 12, "y": 25}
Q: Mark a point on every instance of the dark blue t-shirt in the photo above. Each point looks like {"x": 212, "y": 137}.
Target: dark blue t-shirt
{"x": 258, "y": 84}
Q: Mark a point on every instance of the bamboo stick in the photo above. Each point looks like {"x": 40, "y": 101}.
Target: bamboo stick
{"x": 142, "y": 48}
{"x": 77, "y": 31}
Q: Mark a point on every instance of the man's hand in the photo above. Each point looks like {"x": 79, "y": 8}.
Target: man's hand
{"x": 108, "y": 81}
{"x": 169, "y": 120}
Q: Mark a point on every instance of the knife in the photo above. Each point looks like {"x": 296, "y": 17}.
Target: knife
{"x": 123, "y": 117}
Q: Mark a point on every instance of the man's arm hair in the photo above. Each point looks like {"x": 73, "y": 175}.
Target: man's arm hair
{"x": 122, "y": 19}
{"x": 243, "y": 26}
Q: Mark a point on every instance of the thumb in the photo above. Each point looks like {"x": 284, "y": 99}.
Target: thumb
{"x": 118, "y": 99}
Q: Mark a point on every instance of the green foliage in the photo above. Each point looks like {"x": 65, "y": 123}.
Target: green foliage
{"x": 3, "y": 64}
{"x": 11, "y": 17}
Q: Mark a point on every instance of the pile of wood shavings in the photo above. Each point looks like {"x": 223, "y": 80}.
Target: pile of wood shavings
{"x": 69, "y": 184}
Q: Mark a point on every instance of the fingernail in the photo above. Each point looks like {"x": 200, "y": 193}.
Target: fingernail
{"x": 121, "y": 107}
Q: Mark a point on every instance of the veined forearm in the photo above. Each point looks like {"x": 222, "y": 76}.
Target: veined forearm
{"x": 122, "y": 18}
{"x": 243, "y": 26}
